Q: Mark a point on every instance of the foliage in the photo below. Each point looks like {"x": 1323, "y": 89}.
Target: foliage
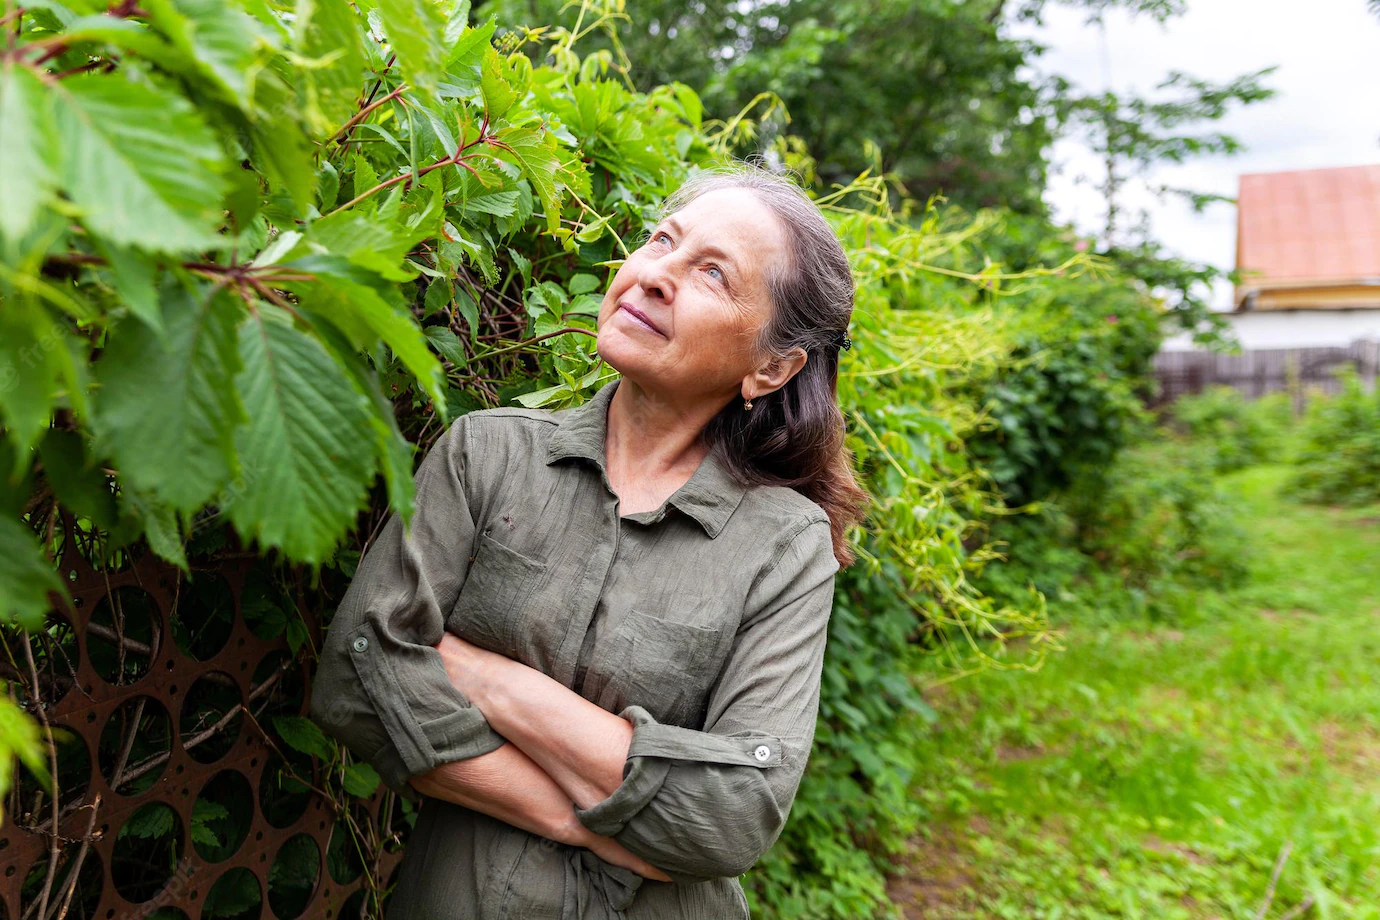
{"x": 934, "y": 85}
{"x": 1240, "y": 432}
{"x": 1165, "y": 771}
{"x": 1338, "y": 460}
{"x": 239, "y": 329}
{"x": 1071, "y": 396}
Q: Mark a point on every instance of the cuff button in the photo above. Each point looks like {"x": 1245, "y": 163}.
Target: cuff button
{"x": 762, "y": 753}
{"x": 361, "y": 644}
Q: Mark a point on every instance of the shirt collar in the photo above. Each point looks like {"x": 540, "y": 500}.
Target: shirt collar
{"x": 710, "y": 495}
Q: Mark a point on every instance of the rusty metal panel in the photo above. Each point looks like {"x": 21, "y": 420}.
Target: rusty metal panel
{"x": 122, "y": 665}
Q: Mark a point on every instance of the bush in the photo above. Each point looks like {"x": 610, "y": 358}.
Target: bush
{"x": 1338, "y": 460}
{"x": 1239, "y": 432}
{"x": 1142, "y": 540}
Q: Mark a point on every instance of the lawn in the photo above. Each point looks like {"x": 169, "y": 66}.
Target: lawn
{"x": 1226, "y": 765}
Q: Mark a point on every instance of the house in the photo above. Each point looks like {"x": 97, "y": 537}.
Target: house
{"x": 1308, "y": 256}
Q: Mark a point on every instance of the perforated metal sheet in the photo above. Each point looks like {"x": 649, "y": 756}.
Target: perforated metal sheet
{"x": 85, "y": 709}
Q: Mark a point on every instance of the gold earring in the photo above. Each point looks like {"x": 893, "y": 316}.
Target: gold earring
{"x": 747, "y": 404}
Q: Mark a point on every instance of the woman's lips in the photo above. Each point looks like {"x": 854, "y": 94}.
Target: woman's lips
{"x": 640, "y": 317}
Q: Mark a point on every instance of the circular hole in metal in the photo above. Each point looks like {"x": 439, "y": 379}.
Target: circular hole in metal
{"x": 204, "y": 616}
{"x": 223, "y": 811}
{"x": 135, "y": 745}
{"x": 343, "y": 860}
{"x": 354, "y": 907}
{"x": 284, "y": 792}
{"x": 278, "y": 689}
{"x": 292, "y": 877}
{"x": 211, "y": 717}
{"x": 122, "y": 635}
{"x": 56, "y": 656}
{"x": 267, "y": 609}
{"x": 73, "y": 782}
{"x": 236, "y": 895}
{"x": 148, "y": 847}
{"x": 86, "y": 894}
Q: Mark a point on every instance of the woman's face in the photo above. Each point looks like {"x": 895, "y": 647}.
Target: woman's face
{"x": 681, "y": 313}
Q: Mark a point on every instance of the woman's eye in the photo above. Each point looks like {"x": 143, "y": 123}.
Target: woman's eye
{"x": 661, "y": 236}
{"x": 717, "y": 273}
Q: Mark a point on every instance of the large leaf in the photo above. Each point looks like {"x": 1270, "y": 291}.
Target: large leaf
{"x": 164, "y": 410}
{"x": 342, "y": 293}
{"x": 303, "y": 735}
{"x": 221, "y": 40}
{"x": 25, "y": 578}
{"x": 40, "y": 364}
{"x": 533, "y": 150}
{"x": 328, "y": 33}
{"x": 307, "y": 451}
{"x": 77, "y": 481}
{"x": 27, "y": 148}
{"x": 140, "y": 163}
{"x": 414, "y": 29}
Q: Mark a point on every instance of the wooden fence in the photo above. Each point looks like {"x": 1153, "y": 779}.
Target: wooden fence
{"x": 1265, "y": 370}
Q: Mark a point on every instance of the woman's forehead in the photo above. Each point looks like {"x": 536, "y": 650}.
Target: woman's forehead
{"x": 732, "y": 216}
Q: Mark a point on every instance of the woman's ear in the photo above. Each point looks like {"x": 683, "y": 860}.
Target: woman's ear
{"x": 777, "y": 372}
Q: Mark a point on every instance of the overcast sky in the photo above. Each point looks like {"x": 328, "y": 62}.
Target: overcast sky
{"x": 1326, "y": 111}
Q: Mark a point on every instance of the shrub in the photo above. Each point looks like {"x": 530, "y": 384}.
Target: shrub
{"x": 1338, "y": 459}
{"x": 1240, "y": 432}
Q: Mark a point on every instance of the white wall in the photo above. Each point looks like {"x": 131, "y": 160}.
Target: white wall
{"x": 1295, "y": 329}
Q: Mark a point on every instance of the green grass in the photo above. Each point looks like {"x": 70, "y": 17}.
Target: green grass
{"x": 1160, "y": 770}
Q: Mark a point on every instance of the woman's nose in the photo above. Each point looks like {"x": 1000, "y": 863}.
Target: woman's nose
{"x": 657, "y": 277}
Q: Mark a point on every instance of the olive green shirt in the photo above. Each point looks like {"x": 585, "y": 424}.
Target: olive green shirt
{"x": 703, "y": 622}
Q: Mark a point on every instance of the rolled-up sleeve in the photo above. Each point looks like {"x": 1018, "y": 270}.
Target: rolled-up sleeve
{"x": 708, "y": 804}
{"x": 381, "y": 689}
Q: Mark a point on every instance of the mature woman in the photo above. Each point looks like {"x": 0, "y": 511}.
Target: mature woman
{"x": 596, "y": 654}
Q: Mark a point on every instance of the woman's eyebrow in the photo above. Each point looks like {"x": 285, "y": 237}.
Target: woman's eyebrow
{"x": 709, "y": 250}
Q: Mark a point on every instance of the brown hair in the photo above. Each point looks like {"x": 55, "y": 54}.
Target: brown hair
{"x": 793, "y": 436}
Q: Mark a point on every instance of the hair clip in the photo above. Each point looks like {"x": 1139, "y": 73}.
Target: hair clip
{"x": 846, "y": 343}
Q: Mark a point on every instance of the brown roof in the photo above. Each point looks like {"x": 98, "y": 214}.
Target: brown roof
{"x": 1308, "y": 225}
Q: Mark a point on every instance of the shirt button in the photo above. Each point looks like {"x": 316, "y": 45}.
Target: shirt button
{"x": 361, "y": 644}
{"x": 762, "y": 752}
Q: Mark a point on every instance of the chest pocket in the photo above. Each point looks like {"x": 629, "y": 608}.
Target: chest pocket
{"x": 493, "y": 601}
{"x": 665, "y": 666}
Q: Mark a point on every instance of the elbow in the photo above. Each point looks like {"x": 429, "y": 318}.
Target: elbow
{"x": 724, "y": 841}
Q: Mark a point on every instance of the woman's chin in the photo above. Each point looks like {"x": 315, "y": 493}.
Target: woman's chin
{"x": 629, "y": 358}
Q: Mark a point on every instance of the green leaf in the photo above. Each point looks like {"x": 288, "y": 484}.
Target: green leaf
{"x": 221, "y": 40}
{"x": 393, "y": 450}
{"x": 303, "y": 735}
{"x": 183, "y": 452}
{"x": 340, "y": 293}
{"x": 328, "y": 31}
{"x": 25, "y": 578}
{"x": 140, "y": 163}
{"x": 582, "y": 283}
{"x": 532, "y": 150}
{"x": 79, "y": 485}
{"x": 39, "y": 364}
{"x": 27, "y": 148}
{"x": 361, "y": 780}
{"x": 306, "y": 448}
{"x": 469, "y": 50}
{"x": 499, "y": 92}
{"x": 132, "y": 274}
{"x": 414, "y": 29}
{"x": 157, "y": 522}
{"x": 281, "y": 148}
{"x": 444, "y": 341}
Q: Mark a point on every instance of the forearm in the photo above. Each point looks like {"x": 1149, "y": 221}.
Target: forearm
{"x": 580, "y": 746}
{"x": 508, "y": 785}
{"x": 505, "y": 784}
